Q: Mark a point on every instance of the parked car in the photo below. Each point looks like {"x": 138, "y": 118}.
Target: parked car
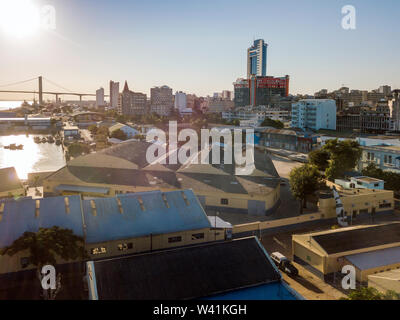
{"x": 284, "y": 264}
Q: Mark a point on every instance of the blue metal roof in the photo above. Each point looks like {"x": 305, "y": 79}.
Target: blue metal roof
{"x": 19, "y": 216}
{"x": 66, "y": 187}
{"x": 270, "y": 291}
{"x": 375, "y": 259}
{"x": 152, "y": 217}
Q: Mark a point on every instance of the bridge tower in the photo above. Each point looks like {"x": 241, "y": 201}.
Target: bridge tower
{"x": 40, "y": 90}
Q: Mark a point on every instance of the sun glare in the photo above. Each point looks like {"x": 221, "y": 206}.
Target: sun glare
{"x": 19, "y": 18}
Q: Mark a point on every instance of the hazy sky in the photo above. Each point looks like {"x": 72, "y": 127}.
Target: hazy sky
{"x": 200, "y": 46}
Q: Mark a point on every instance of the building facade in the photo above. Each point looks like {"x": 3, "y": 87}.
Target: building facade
{"x": 100, "y": 98}
{"x": 314, "y": 114}
{"x": 133, "y": 103}
{"x": 114, "y": 94}
{"x": 257, "y": 59}
{"x": 256, "y": 91}
{"x": 161, "y": 100}
{"x": 385, "y": 157}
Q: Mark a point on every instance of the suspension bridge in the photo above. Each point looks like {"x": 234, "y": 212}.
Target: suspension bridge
{"x": 41, "y": 92}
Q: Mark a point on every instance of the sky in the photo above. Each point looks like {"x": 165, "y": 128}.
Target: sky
{"x": 200, "y": 46}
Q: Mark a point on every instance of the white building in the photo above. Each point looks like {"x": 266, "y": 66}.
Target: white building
{"x": 114, "y": 94}
{"x": 180, "y": 101}
{"x": 314, "y": 114}
{"x": 99, "y": 97}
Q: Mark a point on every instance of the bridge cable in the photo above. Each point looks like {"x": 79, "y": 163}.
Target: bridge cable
{"x": 57, "y": 85}
{"x": 15, "y": 83}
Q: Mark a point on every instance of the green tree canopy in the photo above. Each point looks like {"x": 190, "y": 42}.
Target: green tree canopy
{"x": 304, "y": 181}
{"x": 45, "y": 245}
{"x": 272, "y": 123}
{"x": 344, "y": 156}
{"x": 93, "y": 129}
{"x": 370, "y": 293}
{"x": 320, "y": 159}
{"x": 392, "y": 179}
{"x": 77, "y": 149}
{"x": 119, "y": 134}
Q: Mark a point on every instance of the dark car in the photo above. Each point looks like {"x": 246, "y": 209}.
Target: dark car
{"x": 284, "y": 264}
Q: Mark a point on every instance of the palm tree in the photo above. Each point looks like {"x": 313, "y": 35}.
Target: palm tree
{"x": 45, "y": 246}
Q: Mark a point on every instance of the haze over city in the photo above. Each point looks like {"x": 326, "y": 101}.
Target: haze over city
{"x": 199, "y": 47}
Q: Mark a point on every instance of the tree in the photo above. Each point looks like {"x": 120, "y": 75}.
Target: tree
{"x": 103, "y": 130}
{"x": 304, "y": 181}
{"x": 320, "y": 159}
{"x": 370, "y": 293}
{"x": 344, "y": 156}
{"x": 119, "y": 134}
{"x": 93, "y": 129}
{"x": 45, "y": 247}
{"x": 77, "y": 149}
{"x": 272, "y": 123}
{"x": 392, "y": 179}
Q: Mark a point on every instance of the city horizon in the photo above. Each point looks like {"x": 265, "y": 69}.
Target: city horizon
{"x": 118, "y": 49}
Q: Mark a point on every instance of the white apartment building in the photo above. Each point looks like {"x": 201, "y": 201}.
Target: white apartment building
{"x": 100, "y": 97}
{"x": 314, "y": 114}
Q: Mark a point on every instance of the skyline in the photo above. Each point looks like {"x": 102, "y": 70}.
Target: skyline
{"x": 202, "y": 47}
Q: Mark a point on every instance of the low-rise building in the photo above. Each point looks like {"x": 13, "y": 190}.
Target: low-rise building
{"x": 357, "y": 202}
{"x": 123, "y": 225}
{"x": 128, "y": 130}
{"x": 369, "y": 249}
{"x": 385, "y": 157}
{"x": 124, "y": 168}
{"x": 361, "y": 182}
{"x": 198, "y": 272}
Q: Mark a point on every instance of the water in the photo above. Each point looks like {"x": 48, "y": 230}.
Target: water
{"x": 33, "y": 158}
{"x": 5, "y": 105}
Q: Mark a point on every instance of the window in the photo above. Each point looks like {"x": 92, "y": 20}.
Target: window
{"x": 174, "y": 239}
{"x": 224, "y": 201}
{"x": 100, "y": 250}
{"x": 197, "y": 236}
{"x": 385, "y": 205}
{"x": 125, "y": 246}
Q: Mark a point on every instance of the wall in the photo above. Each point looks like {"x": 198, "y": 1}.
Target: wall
{"x": 155, "y": 242}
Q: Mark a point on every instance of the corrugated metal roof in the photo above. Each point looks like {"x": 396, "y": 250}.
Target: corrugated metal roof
{"x": 375, "y": 259}
{"x": 139, "y": 214}
{"x": 21, "y": 215}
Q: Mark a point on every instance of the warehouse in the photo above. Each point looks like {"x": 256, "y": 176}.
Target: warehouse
{"x": 191, "y": 273}
{"x": 368, "y": 248}
{"x": 145, "y": 221}
{"x": 123, "y": 168}
{"x": 122, "y": 225}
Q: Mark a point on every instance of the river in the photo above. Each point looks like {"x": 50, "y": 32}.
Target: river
{"x": 33, "y": 158}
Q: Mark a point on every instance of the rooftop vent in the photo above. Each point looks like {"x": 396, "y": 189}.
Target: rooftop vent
{"x": 185, "y": 198}
{"x": 141, "y": 204}
{"x": 1, "y": 211}
{"x": 93, "y": 205}
{"x": 37, "y": 209}
{"x": 66, "y": 202}
{"x": 121, "y": 210}
{"x": 165, "y": 200}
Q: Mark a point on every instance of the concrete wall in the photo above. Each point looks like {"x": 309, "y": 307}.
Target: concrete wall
{"x": 154, "y": 242}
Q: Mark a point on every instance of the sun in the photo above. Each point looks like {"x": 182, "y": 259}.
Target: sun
{"x": 19, "y": 18}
